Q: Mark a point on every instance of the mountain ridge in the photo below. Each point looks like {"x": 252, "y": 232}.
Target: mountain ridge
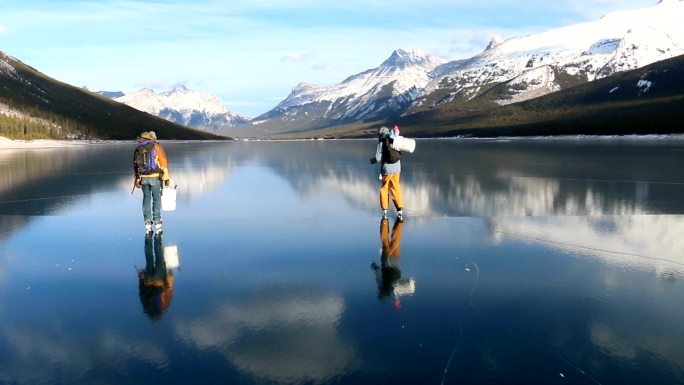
{"x": 508, "y": 71}
{"x": 588, "y": 51}
{"x": 382, "y": 91}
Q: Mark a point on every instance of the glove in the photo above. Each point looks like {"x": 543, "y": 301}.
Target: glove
{"x": 373, "y": 160}
{"x": 167, "y": 182}
{"x": 138, "y": 182}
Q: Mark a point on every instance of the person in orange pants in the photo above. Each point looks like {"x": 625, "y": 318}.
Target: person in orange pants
{"x": 388, "y": 274}
{"x": 390, "y": 172}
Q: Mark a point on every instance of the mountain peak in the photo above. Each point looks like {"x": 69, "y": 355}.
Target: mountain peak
{"x": 304, "y": 86}
{"x": 402, "y": 58}
{"x": 145, "y": 91}
{"x": 496, "y": 40}
{"x": 179, "y": 99}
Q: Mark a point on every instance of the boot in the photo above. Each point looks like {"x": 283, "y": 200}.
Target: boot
{"x": 148, "y": 227}
{"x": 158, "y": 227}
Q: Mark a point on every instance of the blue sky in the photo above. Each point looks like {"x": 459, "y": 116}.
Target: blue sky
{"x": 252, "y": 53}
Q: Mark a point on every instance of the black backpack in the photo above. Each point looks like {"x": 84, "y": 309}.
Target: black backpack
{"x": 389, "y": 155}
{"x": 144, "y": 159}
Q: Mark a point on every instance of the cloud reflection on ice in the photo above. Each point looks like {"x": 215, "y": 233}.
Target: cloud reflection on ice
{"x": 39, "y": 358}
{"x": 284, "y": 336}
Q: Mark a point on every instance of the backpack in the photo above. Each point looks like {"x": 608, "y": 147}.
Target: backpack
{"x": 145, "y": 159}
{"x": 389, "y": 154}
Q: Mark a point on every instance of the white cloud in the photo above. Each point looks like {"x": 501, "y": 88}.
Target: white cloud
{"x": 227, "y": 46}
{"x": 3, "y": 29}
{"x": 298, "y": 57}
{"x": 159, "y": 84}
{"x": 320, "y": 66}
{"x": 274, "y": 98}
{"x": 594, "y": 9}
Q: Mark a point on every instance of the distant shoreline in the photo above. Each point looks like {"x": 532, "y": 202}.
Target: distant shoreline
{"x": 7, "y": 144}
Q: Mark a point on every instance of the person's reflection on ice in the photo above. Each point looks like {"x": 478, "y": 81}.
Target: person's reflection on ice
{"x": 388, "y": 274}
{"x": 155, "y": 281}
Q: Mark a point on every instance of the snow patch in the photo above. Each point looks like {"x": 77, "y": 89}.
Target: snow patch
{"x": 604, "y": 46}
{"x": 7, "y": 143}
{"x": 6, "y": 68}
{"x": 531, "y": 84}
{"x": 8, "y": 111}
{"x": 644, "y": 86}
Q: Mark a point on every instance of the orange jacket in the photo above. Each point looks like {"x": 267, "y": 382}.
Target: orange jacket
{"x": 161, "y": 160}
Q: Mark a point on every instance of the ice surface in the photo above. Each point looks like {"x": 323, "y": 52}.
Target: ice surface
{"x": 264, "y": 271}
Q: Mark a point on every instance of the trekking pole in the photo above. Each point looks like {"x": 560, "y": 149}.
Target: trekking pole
{"x": 133, "y": 186}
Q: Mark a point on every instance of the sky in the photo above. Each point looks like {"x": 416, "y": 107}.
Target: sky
{"x": 252, "y": 53}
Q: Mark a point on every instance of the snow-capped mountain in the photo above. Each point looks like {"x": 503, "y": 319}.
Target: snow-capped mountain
{"x": 33, "y": 105}
{"x": 378, "y": 92}
{"x": 507, "y": 71}
{"x": 184, "y": 106}
{"x": 531, "y": 66}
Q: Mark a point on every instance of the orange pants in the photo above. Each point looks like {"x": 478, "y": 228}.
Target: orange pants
{"x": 390, "y": 247}
{"x": 391, "y": 184}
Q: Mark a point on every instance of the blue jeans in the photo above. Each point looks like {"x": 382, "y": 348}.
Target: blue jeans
{"x": 151, "y": 188}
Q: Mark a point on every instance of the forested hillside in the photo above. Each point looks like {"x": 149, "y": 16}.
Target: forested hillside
{"x": 33, "y": 105}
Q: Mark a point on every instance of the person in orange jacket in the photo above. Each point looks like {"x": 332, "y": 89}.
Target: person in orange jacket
{"x": 151, "y": 169}
{"x": 155, "y": 281}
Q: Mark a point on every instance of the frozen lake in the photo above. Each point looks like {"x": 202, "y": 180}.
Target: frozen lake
{"x": 519, "y": 262}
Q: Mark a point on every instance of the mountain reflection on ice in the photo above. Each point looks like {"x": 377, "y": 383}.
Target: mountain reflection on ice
{"x": 578, "y": 195}
{"x": 583, "y": 181}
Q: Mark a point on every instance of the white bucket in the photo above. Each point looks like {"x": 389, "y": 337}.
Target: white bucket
{"x": 401, "y": 143}
{"x": 171, "y": 257}
{"x": 168, "y": 198}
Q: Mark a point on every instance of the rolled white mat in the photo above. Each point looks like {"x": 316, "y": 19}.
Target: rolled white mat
{"x": 403, "y": 144}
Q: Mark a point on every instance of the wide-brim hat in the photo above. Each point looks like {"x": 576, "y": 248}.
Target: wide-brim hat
{"x": 148, "y": 135}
